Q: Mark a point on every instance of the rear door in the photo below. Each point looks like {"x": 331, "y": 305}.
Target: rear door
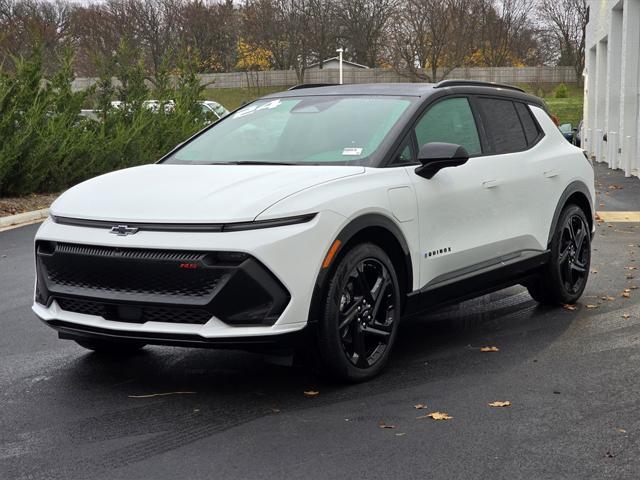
{"x": 515, "y": 173}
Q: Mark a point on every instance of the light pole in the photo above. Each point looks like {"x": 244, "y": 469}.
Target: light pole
{"x": 340, "y": 50}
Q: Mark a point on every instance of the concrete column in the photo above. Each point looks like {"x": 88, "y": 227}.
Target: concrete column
{"x": 614, "y": 59}
{"x": 601, "y": 94}
{"x": 629, "y": 68}
{"x": 589, "y": 113}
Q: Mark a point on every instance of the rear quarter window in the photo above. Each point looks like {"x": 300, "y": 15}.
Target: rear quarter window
{"x": 531, "y": 130}
{"x": 502, "y": 124}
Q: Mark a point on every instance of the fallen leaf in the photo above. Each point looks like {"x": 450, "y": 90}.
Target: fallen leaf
{"x": 594, "y": 271}
{"x": 506, "y": 403}
{"x": 626, "y": 316}
{"x": 437, "y": 416}
{"x": 609, "y": 298}
{"x": 420, "y": 406}
{"x": 627, "y": 290}
{"x": 625, "y": 294}
{"x": 631, "y": 268}
{"x": 400, "y": 434}
{"x": 382, "y": 424}
{"x": 633, "y": 287}
{"x": 489, "y": 349}
{"x": 590, "y": 305}
{"x": 569, "y": 307}
{"x": 161, "y": 394}
{"x": 311, "y": 393}
{"x": 621, "y": 430}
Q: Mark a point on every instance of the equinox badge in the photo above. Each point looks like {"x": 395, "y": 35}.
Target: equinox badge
{"x": 123, "y": 230}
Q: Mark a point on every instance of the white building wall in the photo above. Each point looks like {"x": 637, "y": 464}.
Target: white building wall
{"x": 612, "y": 88}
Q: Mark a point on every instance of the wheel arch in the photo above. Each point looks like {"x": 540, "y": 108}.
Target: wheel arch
{"x": 373, "y": 228}
{"x": 576, "y": 193}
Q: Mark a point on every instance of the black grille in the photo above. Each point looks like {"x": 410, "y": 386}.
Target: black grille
{"x": 143, "y": 285}
{"x": 137, "y": 274}
{"x": 135, "y": 313}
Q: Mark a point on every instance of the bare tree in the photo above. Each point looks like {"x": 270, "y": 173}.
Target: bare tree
{"x": 502, "y": 22}
{"x": 323, "y": 29}
{"x": 565, "y": 22}
{"x": 432, "y": 37}
{"x": 364, "y": 27}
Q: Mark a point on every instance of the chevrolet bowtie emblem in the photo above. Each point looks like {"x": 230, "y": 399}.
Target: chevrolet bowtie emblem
{"x": 123, "y": 230}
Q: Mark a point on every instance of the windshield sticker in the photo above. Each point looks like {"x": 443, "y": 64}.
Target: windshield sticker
{"x": 351, "y": 151}
{"x": 254, "y": 108}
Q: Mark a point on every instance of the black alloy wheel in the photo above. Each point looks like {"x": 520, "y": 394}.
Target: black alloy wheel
{"x": 358, "y": 320}
{"x": 565, "y": 276}
{"x": 573, "y": 261}
{"x": 367, "y": 313}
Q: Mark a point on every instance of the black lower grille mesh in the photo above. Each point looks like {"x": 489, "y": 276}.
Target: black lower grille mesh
{"x": 135, "y": 314}
{"x": 137, "y": 274}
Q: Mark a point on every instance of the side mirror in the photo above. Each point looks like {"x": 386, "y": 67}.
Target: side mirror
{"x": 435, "y": 156}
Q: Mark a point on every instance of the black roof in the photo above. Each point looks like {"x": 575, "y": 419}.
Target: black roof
{"x": 412, "y": 90}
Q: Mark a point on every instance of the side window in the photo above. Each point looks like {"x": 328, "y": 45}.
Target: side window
{"x": 404, "y": 155}
{"x": 531, "y": 130}
{"x": 503, "y": 126}
{"x": 449, "y": 121}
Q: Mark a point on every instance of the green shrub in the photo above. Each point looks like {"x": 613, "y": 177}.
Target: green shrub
{"x": 561, "y": 91}
{"x": 47, "y": 146}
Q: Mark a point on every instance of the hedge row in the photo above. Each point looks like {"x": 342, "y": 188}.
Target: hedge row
{"x": 46, "y": 146}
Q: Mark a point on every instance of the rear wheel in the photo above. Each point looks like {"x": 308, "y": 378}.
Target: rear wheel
{"x": 360, "y": 315}
{"x": 565, "y": 276}
{"x": 109, "y": 347}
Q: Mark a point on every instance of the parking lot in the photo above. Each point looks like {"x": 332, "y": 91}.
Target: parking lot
{"x": 571, "y": 376}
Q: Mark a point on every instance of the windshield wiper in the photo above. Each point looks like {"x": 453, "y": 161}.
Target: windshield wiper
{"x": 258, "y": 162}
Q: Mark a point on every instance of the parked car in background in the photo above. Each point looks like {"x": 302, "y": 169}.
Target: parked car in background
{"x": 316, "y": 218}
{"x": 214, "y": 109}
{"x": 570, "y": 133}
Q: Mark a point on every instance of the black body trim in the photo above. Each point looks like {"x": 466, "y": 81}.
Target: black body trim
{"x": 574, "y": 187}
{"x": 484, "y": 278}
{"x": 187, "y": 227}
{"x": 74, "y": 331}
{"x": 302, "y": 86}
{"x": 347, "y": 233}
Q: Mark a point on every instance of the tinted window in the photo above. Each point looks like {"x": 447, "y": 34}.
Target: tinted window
{"x": 503, "y": 126}
{"x": 530, "y": 127}
{"x": 404, "y": 154}
{"x": 449, "y": 121}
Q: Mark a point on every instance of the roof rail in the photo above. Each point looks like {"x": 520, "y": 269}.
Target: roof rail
{"x": 300, "y": 86}
{"x": 474, "y": 83}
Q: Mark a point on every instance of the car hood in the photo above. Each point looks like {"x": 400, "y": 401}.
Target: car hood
{"x": 191, "y": 193}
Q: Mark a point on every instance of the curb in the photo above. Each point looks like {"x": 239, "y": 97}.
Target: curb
{"x": 22, "y": 218}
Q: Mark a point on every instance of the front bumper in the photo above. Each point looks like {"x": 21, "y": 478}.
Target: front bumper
{"x": 287, "y": 257}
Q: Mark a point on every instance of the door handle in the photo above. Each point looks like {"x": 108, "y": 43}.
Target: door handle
{"x": 552, "y": 173}
{"x": 491, "y": 183}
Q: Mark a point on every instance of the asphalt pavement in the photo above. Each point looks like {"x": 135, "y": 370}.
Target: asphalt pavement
{"x": 571, "y": 377}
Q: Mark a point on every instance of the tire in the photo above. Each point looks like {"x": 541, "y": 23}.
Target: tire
{"x": 356, "y": 330}
{"x": 110, "y": 348}
{"x": 564, "y": 278}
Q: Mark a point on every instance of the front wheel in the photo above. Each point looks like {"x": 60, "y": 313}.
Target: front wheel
{"x": 360, "y": 315}
{"x": 564, "y": 278}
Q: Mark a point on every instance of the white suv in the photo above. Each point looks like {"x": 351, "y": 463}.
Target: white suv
{"x": 317, "y": 218}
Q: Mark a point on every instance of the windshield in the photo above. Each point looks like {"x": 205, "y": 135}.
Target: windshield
{"x": 301, "y": 131}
